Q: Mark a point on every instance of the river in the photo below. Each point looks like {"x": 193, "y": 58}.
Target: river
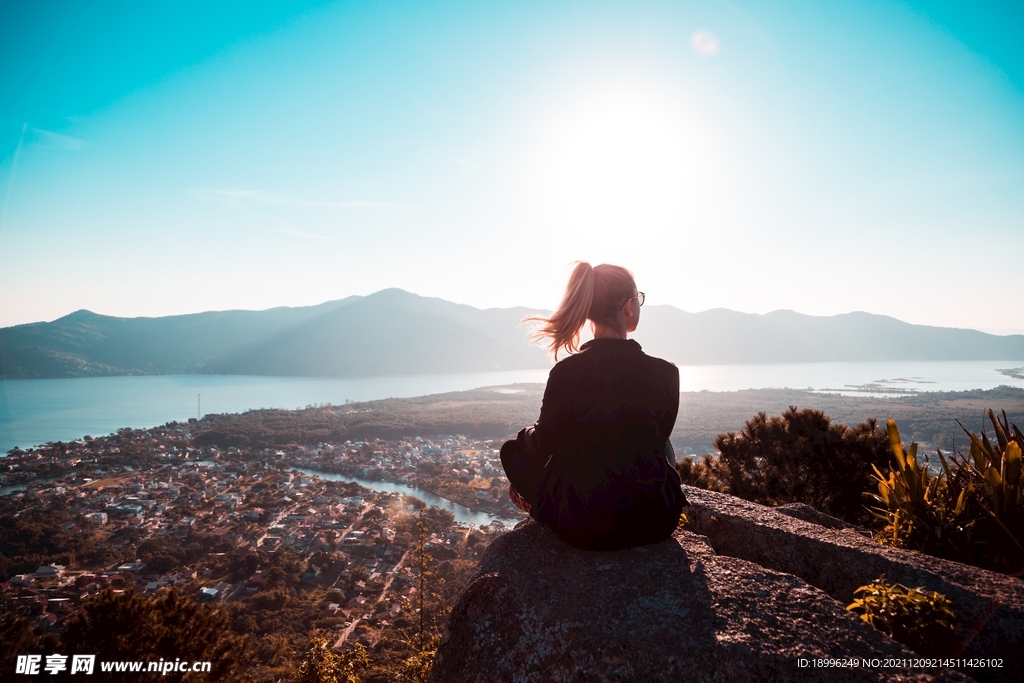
{"x": 462, "y": 513}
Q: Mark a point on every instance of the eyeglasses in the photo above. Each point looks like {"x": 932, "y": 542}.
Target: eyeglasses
{"x": 639, "y": 297}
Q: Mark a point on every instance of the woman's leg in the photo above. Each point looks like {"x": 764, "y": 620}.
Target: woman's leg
{"x": 524, "y": 470}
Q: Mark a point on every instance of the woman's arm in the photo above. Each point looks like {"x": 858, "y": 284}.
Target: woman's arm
{"x": 555, "y": 412}
{"x": 669, "y": 420}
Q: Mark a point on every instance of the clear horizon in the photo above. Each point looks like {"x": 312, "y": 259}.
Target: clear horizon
{"x": 163, "y": 160}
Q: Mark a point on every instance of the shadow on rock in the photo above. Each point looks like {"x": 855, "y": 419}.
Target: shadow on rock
{"x": 539, "y": 610}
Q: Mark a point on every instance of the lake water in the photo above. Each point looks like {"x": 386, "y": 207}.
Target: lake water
{"x": 862, "y": 379}
{"x": 36, "y": 411}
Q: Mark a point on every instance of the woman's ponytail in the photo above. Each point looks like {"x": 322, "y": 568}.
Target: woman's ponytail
{"x": 592, "y": 294}
{"x": 564, "y": 325}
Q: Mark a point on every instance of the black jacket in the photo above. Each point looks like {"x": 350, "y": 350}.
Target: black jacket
{"x": 607, "y": 414}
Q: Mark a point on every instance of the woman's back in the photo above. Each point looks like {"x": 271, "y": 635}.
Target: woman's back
{"x": 610, "y": 396}
{"x": 607, "y": 416}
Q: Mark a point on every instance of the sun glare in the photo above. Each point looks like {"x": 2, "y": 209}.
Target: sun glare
{"x": 624, "y": 154}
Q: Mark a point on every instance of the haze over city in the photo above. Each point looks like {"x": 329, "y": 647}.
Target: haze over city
{"x": 172, "y": 159}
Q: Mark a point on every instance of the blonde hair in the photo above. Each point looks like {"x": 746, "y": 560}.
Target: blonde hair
{"x": 593, "y": 293}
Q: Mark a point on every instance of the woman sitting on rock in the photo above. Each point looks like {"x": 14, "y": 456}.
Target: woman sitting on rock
{"x": 597, "y": 466}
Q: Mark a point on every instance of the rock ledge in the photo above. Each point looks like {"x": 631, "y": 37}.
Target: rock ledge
{"x": 538, "y": 610}
{"x": 989, "y": 606}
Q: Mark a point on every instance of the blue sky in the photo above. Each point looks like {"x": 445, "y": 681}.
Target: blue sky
{"x": 161, "y": 158}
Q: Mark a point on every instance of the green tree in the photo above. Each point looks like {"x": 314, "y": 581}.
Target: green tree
{"x": 321, "y": 665}
{"x": 127, "y": 626}
{"x": 19, "y": 637}
{"x": 429, "y": 583}
{"x": 798, "y": 457}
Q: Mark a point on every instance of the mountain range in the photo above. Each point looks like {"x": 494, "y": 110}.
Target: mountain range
{"x": 393, "y": 332}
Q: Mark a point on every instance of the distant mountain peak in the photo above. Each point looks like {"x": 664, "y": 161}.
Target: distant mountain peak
{"x": 80, "y": 314}
{"x": 393, "y": 294}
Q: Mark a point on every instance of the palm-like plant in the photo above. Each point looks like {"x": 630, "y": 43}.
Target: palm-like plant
{"x": 908, "y": 495}
{"x": 998, "y": 467}
{"x": 971, "y": 511}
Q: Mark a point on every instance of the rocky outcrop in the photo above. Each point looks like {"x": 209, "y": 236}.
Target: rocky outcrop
{"x": 809, "y": 514}
{"x": 539, "y": 610}
{"x": 989, "y": 607}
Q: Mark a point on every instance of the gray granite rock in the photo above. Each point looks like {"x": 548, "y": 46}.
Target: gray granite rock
{"x": 989, "y": 606}
{"x": 539, "y": 610}
{"x": 809, "y": 514}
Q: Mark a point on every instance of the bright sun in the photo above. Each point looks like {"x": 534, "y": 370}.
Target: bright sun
{"x": 623, "y": 154}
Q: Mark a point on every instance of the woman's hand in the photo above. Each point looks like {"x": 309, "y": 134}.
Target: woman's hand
{"x": 518, "y": 500}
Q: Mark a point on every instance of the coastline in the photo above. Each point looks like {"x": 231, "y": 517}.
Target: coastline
{"x": 34, "y": 412}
